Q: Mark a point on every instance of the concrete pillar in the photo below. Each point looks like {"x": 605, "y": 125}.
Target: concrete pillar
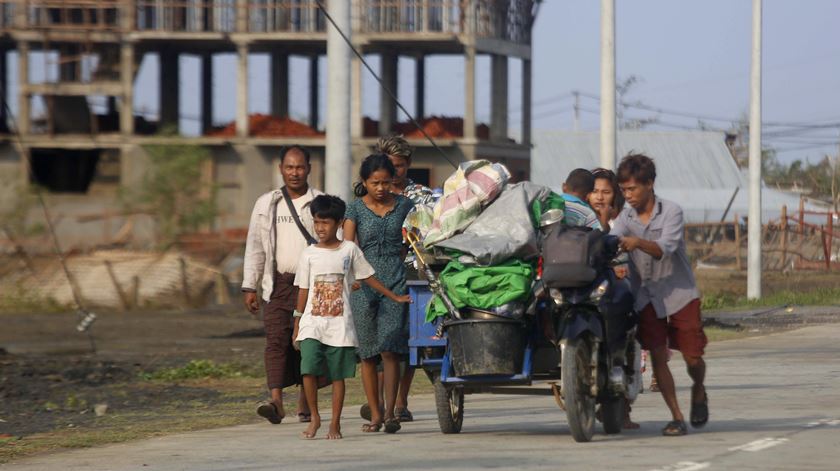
{"x": 387, "y": 105}
{"x": 279, "y": 87}
{"x": 338, "y": 159}
{"x": 356, "y": 124}
{"x": 170, "y": 78}
{"x": 24, "y": 99}
{"x": 127, "y": 80}
{"x": 206, "y": 92}
{"x": 420, "y": 88}
{"x": 469, "y": 93}
{"x": 242, "y": 16}
{"x": 242, "y": 90}
{"x": 4, "y": 89}
{"x": 313, "y": 92}
{"x": 526, "y": 102}
{"x": 499, "y": 98}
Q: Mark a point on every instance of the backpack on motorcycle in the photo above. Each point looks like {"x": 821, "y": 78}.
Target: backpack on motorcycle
{"x": 572, "y": 256}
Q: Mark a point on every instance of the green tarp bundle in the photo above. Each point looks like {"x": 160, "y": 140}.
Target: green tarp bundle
{"x": 482, "y": 287}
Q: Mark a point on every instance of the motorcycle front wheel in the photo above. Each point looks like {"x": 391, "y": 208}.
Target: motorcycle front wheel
{"x": 576, "y": 375}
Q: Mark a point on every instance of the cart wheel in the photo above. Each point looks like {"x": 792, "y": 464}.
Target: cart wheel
{"x": 577, "y": 391}
{"x": 449, "y": 402}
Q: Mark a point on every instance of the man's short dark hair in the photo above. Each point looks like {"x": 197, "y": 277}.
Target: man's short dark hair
{"x": 328, "y": 207}
{"x": 286, "y": 149}
{"x": 580, "y": 181}
{"x": 639, "y": 167}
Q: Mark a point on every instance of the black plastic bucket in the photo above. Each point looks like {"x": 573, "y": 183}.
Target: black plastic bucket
{"x": 486, "y": 346}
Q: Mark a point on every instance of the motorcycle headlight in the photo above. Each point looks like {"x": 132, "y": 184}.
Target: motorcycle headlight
{"x": 600, "y": 291}
{"x": 556, "y": 295}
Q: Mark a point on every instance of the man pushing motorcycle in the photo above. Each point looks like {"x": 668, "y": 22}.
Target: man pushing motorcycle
{"x": 652, "y": 232}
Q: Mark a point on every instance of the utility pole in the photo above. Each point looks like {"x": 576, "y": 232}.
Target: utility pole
{"x": 754, "y": 225}
{"x": 608, "y": 84}
{"x": 338, "y": 161}
{"x": 577, "y": 110}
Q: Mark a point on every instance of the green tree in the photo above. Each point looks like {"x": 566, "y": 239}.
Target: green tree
{"x": 173, "y": 191}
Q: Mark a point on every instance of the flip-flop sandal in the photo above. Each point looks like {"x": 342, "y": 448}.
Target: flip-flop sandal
{"x": 700, "y": 412}
{"x": 675, "y": 428}
{"x": 364, "y": 412}
{"x": 268, "y": 410}
{"x": 392, "y": 425}
{"x": 371, "y": 428}
{"x": 404, "y": 415}
{"x": 304, "y": 418}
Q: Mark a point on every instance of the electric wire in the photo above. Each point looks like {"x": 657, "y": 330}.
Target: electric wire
{"x": 81, "y": 311}
{"x": 382, "y": 84}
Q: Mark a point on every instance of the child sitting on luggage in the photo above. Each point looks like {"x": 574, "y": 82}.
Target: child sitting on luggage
{"x": 324, "y": 331}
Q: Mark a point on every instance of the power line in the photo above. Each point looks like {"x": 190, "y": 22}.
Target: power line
{"x": 390, "y": 92}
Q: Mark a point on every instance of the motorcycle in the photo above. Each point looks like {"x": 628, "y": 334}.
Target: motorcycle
{"x": 594, "y": 326}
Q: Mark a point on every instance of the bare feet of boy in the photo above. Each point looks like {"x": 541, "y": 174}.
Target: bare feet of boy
{"x": 312, "y": 430}
{"x": 335, "y": 431}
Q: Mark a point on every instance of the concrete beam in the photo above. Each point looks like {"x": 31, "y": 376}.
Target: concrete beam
{"x": 127, "y": 82}
{"x": 313, "y": 92}
{"x": 279, "y": 84}
{"x": 111, "y": 88}
{"x": 242, "y": 90}
{"x": 206, "y": 92}
{"x": 499, "y": 98}
{"x": 387, "y": 105}
{"x": 169, "y": 89}
{"x": 469, "y": 94}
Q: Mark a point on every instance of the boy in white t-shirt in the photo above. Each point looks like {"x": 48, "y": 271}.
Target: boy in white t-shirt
{"x": 324, "y": 330}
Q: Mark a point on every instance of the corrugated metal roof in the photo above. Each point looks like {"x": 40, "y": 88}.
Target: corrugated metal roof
{"x": 684, "y": 159}
{"x": 694, "y": 169}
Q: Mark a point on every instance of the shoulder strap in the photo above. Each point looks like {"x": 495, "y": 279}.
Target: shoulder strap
{"x": 309, "y": 239}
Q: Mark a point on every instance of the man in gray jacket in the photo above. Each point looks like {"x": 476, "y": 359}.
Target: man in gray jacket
{"x": 276, "y": 238}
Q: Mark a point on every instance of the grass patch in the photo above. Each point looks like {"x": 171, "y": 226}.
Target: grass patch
{"x": 19, "y": 300}
{"x": 202, "y": 369}
{"x": 239, "y": 388}
{"x": 815, "y": 297}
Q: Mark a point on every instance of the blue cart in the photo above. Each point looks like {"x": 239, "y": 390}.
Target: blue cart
{"x": 540, "y": 361}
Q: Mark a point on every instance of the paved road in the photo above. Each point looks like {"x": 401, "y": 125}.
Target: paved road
{"x": 774, "y": 405}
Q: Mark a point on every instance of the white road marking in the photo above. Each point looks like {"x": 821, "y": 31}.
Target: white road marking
{"x": 829, "y": 421}
{"x": 684, "y": 466}
{"x": 759, "y": 445}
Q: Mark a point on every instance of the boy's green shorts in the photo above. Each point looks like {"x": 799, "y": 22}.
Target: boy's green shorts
{"x": 324, "y": 360}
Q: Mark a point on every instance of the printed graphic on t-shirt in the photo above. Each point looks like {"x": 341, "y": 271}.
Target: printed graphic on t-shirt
{"x": 327, "y": 298}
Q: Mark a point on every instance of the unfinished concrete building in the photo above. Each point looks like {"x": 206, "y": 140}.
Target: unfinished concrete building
{"x": 85, "y": 152}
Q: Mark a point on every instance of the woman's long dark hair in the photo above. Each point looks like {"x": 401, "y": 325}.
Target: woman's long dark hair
{"x": 371, "y": 164}
{"x": 618, "y": 196}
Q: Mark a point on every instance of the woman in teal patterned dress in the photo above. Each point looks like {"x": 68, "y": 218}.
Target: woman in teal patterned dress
{"x": 374, "y": 221}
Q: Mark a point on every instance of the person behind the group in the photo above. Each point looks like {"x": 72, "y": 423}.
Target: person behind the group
{"x": 651, "y": 231}
{"x": 399, "y": 153}
{"x": 576, "y": 189}
{"x": 324, "y": 330}
{"x": 272, "y": 249}
{"x": 607, "y": 201}
{"x": 374, "y": 220}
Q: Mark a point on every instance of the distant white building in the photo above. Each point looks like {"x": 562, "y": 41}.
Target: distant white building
{"x": 693, "y": 168}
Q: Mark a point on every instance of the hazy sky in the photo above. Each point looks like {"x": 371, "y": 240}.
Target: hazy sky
{"x": 691, "y": 57}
